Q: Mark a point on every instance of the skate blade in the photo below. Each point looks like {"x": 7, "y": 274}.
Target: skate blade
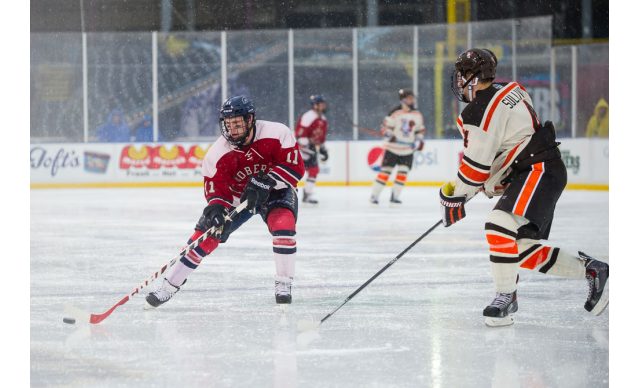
{"x": 497, "y": 322}
{"x": 603, "y": 302}
{"x": 147, "y": 306}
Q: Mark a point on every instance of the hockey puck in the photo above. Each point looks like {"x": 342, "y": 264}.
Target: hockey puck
{"x": 70, "y": 321}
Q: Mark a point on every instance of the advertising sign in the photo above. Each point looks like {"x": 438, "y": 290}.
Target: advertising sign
{"x": 349, "y": 163}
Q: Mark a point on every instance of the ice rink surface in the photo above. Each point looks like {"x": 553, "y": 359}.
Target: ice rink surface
{"x": 418, "y": 325}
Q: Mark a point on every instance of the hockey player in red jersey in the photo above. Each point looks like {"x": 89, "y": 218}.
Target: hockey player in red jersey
{"x": 403, "y": 130}
{"x": 311, "y": 132}
{"x": 257, "y": 161}
{"x": 509, "y": 153}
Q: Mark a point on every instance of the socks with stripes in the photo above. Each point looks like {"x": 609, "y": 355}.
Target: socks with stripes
{"x": 284, "y": 252}
{"x": 381, "y": 181}
{"x": 507, "y": 254}
{"x": 188, "y": 263}
{"x": 400, "y": 181}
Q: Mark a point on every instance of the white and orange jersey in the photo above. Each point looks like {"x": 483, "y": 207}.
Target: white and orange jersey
{"x": 495, "y": 126}
{"x": 406, "y": 127}
{"x": 227, "y": 169}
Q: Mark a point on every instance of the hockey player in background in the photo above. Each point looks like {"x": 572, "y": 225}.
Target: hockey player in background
{"x": 257, "y": 161}
{"x": 509, "y": 153}
{"x": 403, "y": 130}
{"x": 311, "y": 133}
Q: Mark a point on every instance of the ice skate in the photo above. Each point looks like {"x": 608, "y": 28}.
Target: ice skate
{"x": 499, "y": 312}
{"x": 395, "y": 201}
{"x": 309, "y": 198}
{"x": 597, "y": 275}
{"x": 165, "y": 292}
{"x": 283, "y": 290}
{"x": 374, "y": 200}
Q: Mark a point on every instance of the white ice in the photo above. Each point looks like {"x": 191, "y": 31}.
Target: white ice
{"x": 419, "y": 324}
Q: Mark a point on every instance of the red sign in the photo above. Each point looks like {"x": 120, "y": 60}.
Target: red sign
{"x": 154, "y": 157}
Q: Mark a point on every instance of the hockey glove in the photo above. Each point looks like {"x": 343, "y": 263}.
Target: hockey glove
{"x": 452, "y": 207}
{"x": 212, "y": 216}
{"x": 308, "y": 153}
{"x": 324, "y": 154}
{"x": 257, "y": 191}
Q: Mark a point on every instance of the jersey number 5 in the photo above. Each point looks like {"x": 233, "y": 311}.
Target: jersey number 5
{"x": 292, "y": 157}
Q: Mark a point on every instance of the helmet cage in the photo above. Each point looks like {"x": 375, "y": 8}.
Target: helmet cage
{"x": 459, "y": 84}
{"x": 235, "y": 107}
{"x": 226, "y": 132}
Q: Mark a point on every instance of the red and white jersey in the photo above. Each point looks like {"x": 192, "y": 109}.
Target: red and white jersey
{"x": 407, "y": 127}
{"x": 226, "y": 169}
{"x": 311, "y": 126}
{"x": 495, "y": 126}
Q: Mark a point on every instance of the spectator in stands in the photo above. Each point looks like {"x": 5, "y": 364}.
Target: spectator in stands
{"x": 598, "y": 125}
{"x": 115, "y": 129}
{"x": 144, "y": 132}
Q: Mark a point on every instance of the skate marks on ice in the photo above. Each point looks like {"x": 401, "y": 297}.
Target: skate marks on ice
{"x": 418, "y": 324}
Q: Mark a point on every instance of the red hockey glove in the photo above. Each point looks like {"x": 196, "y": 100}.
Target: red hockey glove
{"x": 257, "y": 191}
{"x": 452, "y": 207}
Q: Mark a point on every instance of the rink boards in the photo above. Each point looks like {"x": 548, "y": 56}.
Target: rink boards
{"x": 351, "y": 163}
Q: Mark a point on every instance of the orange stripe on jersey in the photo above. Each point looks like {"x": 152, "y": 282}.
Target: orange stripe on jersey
{"x": 502, "y": 244}
{"x": 472, "y": 173}
{"x": 485, "y": 127}
{"x": 459, "y": 121}
{"x": 510, "y": 155}
{"x": 529, "y": 187}
{"x": 537, "y": 258}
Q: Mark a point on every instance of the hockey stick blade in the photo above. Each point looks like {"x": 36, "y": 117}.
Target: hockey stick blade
{"x": 81, "y": 316}
{"x": 310, "y": 325}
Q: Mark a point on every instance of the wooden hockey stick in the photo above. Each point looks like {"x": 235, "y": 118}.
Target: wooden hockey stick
{"x": 75, "y": 314}
{"x": 310, "y": 325}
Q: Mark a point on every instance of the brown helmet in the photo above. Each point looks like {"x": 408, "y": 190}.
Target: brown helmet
{"x": 404, "y": 93}
{"x": 479, "y": 63}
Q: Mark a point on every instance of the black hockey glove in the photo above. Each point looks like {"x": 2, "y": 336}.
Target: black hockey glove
{"x": 257, "y": 191}
{"x": 212, "y": 216}
{"x": 452, "y": 207}
{"x": 308, "y": 153}
{"x": 324, "y": 154}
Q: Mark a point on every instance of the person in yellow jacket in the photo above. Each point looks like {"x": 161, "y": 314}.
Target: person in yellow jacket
{"x": 598, "y": 125}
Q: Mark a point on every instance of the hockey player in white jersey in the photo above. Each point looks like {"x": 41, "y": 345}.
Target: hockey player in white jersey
{"x": 403, "y": 130}
{"x": 508, "y": 153}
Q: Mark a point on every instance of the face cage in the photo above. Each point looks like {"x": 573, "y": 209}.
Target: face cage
{"x": 459, "y": 91}
{"x": 227, "y": 134}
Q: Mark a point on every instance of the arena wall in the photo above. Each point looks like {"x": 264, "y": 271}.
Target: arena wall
{"x": 352, "y": 163}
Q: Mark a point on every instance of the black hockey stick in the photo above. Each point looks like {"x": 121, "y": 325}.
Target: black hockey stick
{"x": 308, "y": 325}
{"x": 75, "y": 314}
